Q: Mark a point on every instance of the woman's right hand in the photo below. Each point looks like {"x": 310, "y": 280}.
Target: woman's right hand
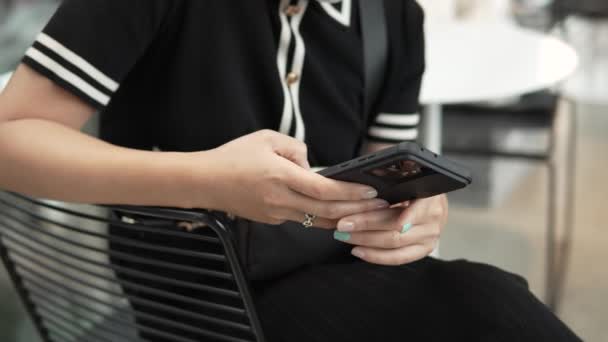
{"x": 265, "y": 177}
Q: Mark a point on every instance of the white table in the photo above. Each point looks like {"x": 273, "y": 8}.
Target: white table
{"x": 483, "y": 61}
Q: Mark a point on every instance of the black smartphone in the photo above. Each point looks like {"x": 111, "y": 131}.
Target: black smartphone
{"x": 403, "y": 172}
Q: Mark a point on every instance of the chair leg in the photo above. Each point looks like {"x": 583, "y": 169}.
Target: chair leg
{"x": 550, "y": 295}
{"x": 565, "y": 241}
{"x": 561, "y": 180}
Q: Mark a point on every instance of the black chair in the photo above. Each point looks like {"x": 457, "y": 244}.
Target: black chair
{"x": 591, "y": 12}
{"x": 594, "y": 9}
{"x": 81, "y": 281}
{"x": 482, "y": 131}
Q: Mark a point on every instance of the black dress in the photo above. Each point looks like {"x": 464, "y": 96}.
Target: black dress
{"x": 429, "y": 300}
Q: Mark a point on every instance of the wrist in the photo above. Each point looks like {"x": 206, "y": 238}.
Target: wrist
{"x": 190, "y": 180}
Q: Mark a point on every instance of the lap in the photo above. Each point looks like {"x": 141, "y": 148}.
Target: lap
{"x": 428, "y": 300}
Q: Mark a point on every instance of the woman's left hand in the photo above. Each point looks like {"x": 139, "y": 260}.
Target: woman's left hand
{"x": 396, "y": 236}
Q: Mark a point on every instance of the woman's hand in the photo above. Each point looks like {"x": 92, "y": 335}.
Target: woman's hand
{"x": 265, "y": 177}
{"x": 396, "y": 236}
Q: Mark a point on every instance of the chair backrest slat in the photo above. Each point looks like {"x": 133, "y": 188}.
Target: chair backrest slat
{"x": 82, "y": 259}
{"x": 123, "y": 273}
{"x": 122, "y": 241}
{"x": 117, "y": 255}
{"x": 125, "y": 321}
{"x": 101, "y": 219}
{"x": 68, "y": 323}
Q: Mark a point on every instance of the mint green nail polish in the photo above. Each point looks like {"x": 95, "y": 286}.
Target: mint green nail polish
{"x": 341, "y": 236}
{"x": 406, "y": 228}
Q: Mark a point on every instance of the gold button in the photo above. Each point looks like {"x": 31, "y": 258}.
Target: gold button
{"x": 292, "y": 78}
{"x": 292, "y": 10}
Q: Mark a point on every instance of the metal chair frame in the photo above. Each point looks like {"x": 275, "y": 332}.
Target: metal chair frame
{"x": 56, "y": 284}
{"x": 558, "y": 244}
{"x": 595, "y": 10}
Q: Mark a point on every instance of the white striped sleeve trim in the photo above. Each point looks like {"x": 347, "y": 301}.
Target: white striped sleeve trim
{"x": 77, "y": 61}
{"x": 393, "y": 133}
{"x": 398, "y": 119}
{"x": 67, "y": 76}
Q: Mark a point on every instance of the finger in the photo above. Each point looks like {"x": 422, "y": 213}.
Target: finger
{"x": 386, "y": 219}
{"x": 289, "y": 148}
{"x": 393, "y": 257}
{"x": 401, "y": 205}
{"x": 413, "y": 214}
{"x": 322, "y": 188}
{"x": 389, "y": 239}
{"x": 424, "y": 210}
{"x": 332, "y": 209}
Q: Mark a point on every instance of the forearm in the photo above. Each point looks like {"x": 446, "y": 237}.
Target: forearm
{"x": 46, "y": 159}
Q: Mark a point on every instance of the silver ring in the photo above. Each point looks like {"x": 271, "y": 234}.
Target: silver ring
{"x": 309, "y": 220}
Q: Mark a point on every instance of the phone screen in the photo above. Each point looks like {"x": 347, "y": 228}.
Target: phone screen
{"x": 400, "y": 171}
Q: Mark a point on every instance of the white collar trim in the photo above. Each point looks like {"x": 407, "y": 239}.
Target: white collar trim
{"x": 344, "y": 16}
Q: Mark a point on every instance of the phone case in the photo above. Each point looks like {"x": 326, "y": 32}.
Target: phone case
{"x": 403, "y": 172}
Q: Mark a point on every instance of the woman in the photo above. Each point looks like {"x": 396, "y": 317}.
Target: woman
{"x": 246, "y": 95}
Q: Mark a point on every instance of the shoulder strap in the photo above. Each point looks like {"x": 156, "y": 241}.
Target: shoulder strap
{"x": 375, "y": 49}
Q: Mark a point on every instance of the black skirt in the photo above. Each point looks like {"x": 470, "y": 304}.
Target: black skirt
{"x": 429, "y": 300}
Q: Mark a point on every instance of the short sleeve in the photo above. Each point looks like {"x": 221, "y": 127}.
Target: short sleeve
{"x": 89, "y": 46}
{"x": 398, "y": 111}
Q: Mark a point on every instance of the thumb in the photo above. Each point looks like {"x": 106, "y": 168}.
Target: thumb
{"x": 291, "y": 149}
{"x": 411, "y": 213}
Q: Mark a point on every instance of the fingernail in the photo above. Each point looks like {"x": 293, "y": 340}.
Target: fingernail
{"x": 382, "y": 204}
{"x": 358, "y": 253}
{"x": 406, "y": 228}
{"x": 341, "y": 236}
{"x": 345, "y": 226}
{"x": 400, "y": 205}
{"x": 370, "y": 193}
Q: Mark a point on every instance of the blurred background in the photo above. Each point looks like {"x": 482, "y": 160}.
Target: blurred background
{"x": 516, "y": 89}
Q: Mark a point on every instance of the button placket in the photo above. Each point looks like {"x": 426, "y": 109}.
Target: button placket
{"x": 292, "y": 10}
{"x": 292, "y": 78}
